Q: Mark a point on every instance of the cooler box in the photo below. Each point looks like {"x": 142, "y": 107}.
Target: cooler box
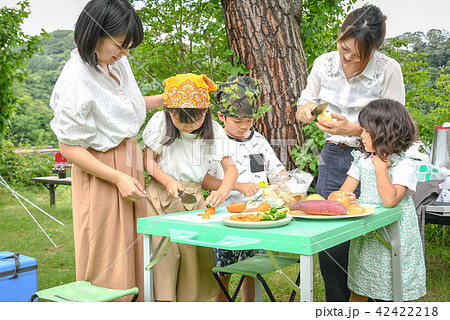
{"x": 18, "y": 277}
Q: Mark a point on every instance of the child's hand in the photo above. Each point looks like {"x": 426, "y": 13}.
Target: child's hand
{"x": 248, "y": 189}
{"x": 353, "y": 200}
{"x": 215, "y": 199}
{"x": 377, "y": 161}
{"x": 173, "y": 186}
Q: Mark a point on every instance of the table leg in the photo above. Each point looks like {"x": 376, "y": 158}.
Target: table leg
{"x": 258, "y": 291}
{"x": 52, "y": 194}
{"x": 396, "y": 262}
{"x": 306, "y": 278}
{"x": 148, "y": 275}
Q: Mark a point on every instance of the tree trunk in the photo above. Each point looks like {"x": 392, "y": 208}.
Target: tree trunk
{"x": 265, "y": 35}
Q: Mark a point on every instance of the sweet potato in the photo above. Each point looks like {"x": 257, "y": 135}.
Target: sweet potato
{"x": 237, "y": 207}
{"x": 320, "y": 207}
{"x": 263, "y": 207}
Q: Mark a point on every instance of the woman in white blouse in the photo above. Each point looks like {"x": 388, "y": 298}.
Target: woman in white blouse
{"x": 98, "y": 109}
{"x": 347, "y": 79}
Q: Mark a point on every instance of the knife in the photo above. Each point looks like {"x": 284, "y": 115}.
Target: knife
{"x": 187, "y": 198}
{"x": 320, "y": 108}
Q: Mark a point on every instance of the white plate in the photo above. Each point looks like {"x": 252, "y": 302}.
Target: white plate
{"x": 302, "y": 215}
{"x": 257, "y": 225}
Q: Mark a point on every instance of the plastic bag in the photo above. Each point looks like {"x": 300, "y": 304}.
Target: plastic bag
{"x": 427, "y": 171}
{"x": 444, "y": 196}
{"x": 288, "y": 188}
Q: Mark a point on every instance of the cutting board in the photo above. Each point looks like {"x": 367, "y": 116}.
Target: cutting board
{"x": 195, "y": 218}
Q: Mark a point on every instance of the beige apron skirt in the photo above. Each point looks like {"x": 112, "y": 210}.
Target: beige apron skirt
{"x": 108, "y": 250}
{"x": 185, "y": 273}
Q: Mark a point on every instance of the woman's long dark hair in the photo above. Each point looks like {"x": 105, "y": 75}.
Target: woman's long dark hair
{"x": 188, "y": 116}
{"x": 106, "y": 18}
{"x": 390, "y": 126}
{"x": 367, "y": 25}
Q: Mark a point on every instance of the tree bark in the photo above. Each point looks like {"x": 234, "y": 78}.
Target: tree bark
{"x": 265, "y": 35}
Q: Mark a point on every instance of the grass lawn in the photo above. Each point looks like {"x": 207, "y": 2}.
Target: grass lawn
{"x": 19, "y": 233}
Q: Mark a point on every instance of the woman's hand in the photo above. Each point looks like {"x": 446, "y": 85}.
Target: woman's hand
{"x": 339, "y": 127}
{"x": 248, "y": 189}
{"x": 215, "y": 199}
{"x": 130, "y": 188}
{"x": 305, "y": 113}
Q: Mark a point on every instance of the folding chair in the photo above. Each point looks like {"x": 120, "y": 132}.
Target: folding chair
{"x": 83, "y": 291}
{"x": 255, "y": 267}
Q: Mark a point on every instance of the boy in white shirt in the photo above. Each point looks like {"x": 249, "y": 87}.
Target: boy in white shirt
{"x": 254, "y": 159}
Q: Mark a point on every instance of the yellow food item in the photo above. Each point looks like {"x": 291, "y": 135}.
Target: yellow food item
{"x": 340, "y": 196}
{"x": 325, "y": 116}
{"x": 314, "y": 197}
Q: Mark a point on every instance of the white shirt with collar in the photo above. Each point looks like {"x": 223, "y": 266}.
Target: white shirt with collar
{"x": 91, "y": 109}
{"x": 382, "y": 78}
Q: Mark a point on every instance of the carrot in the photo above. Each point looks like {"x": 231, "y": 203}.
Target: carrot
{"x": 263, "y": 207}
{"x": 208, "y": 212}
{"x": 320, "y": 207}
{"x": 246, "y": 217}
{"x": 237, "y": 207}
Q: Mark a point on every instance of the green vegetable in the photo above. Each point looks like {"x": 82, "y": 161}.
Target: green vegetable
{"x": 273, "y": 214}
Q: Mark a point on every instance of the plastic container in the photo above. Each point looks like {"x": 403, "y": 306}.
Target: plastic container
{"x": 18, "y": 277}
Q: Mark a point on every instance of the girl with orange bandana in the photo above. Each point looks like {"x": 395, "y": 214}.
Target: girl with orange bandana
{"x": 181, "y": 143}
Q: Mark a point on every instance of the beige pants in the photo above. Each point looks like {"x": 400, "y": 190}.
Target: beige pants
{"x": 185, "y": 273}
{"x": 108, "y": 250}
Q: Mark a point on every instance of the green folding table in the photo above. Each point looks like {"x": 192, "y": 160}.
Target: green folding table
{"x": 301, "y": 236}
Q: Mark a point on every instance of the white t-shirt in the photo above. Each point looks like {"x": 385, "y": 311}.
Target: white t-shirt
{"x": 255, "y": 161}
{"x": 403, "y": 173}
{"x": 91, "y": 109}
{"x": 188, "y": 157}
{"x": 382, "y": 78}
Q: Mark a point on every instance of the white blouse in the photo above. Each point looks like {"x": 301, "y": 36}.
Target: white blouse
{"x": 91, "y": 109}
{"x": 188, "y": 158}
{"x": 382, "y": 78}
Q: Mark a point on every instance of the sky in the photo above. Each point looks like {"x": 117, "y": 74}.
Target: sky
{"x": 403, "y": 15}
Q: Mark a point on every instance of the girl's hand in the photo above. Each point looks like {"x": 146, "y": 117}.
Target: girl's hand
{"x": 215, "y": 199}
{"x": 173, "y": 186}
{"x": 130, "y": 188}
{"x": 248, "y": 189}
{"x": 339, "y": 127}
{"x": 377, "y": 161}
{"x": 304, "y": 113}
{"x": 353, "y": 200}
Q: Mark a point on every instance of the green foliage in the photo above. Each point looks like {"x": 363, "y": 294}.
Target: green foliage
{"x": 320, "y": 26}
{"x": 181, "y": 37}
{"x": 427, "y": 88}
{"x": 15, "y": 49}
{"x": 31, "y": 121}
{"x": 307, "y": 156}
{"x": 18, "y": 168}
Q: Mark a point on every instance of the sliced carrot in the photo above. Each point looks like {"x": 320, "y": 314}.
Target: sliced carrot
{"x": 210, "y": 210}
{"x": 236, "y": 207}
{"x": 249, "y": 217}
{"x": 263, "y": 207}
{"x": 205, "y": 216}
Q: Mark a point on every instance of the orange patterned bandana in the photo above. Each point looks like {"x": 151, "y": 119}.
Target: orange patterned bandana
{"x": 188, "y": 91}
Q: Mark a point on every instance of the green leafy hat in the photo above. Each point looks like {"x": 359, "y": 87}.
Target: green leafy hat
{"x": 237, "y": 96}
